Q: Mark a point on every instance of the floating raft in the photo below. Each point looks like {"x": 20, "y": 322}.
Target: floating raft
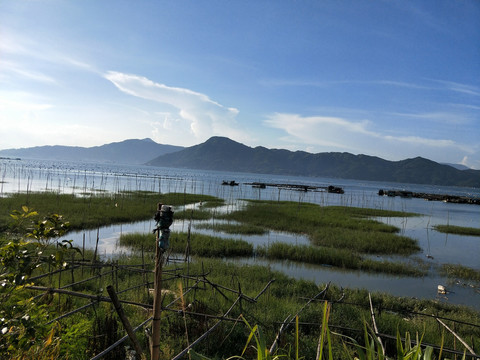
{"x": 229, "y": 183}
{"x": 298, "y": 187}
{"x": 431, "y": 197}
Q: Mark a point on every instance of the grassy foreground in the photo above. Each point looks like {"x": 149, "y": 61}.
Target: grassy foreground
{"x": 92, "y": 326}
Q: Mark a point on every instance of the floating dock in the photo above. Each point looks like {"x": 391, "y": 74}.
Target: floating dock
{"x": 298, "y": 187}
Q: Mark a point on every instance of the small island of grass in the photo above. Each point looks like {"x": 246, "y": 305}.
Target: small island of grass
{"x": 458, "y": 230}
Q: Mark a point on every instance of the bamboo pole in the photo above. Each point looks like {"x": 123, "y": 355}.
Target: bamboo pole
{"x": 157, "y": 300}
{"x": 375, "y": 324}
{"x": 118, "y": 342}
{"x": 288, "y": 321}
{"x": 458, "y": 337}
{"x": 125, "y": 322}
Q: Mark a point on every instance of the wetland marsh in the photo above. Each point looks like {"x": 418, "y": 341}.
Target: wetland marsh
{"x": 420, "y": 247}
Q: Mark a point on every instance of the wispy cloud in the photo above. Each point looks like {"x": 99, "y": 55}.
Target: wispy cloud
{"x": 10, "y": 68}
{"x": 329, "y": 83}
{"x": 195, "y": 113}
{"x": 460, "y": 88}
{"x": 340, "y": 134}
{"x": 439, "y": 117}
{"x": 427, "y": 84}
{"x": 27, "y": 52}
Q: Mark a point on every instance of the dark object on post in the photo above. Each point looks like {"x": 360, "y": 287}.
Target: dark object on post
{"x": 164, "y": 219}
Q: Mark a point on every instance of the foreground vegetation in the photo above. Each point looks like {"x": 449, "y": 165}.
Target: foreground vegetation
{"x": 199, "y": 293}
{"x": 83, "y": 334}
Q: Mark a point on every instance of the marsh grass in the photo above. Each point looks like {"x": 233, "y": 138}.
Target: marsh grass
{"x": 340, "y": 227}
{"x": 335, "y": 257}
{"x": 200, "y": 245}
{"x": 285, "y": 296}
{"x": 460, "y": 271}
{"x": 96, "y": 210}
{"x": 459, "y": 230}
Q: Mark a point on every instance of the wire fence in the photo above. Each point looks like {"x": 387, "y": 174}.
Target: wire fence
{"x": 100, "y": 270}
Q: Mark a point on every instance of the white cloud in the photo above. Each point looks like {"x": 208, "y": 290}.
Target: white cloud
{"x": 192, "y": 113}
{"x": 338, "y": 134}
{"x": 321, "y": 131}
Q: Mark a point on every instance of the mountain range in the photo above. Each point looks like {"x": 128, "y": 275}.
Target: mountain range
{"x": 224, "y": 154}
{"x": 133, "y": 151}
{"x": 219, "y": 153}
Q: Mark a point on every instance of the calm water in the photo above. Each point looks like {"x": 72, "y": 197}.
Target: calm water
{"x": 34, "y": 175}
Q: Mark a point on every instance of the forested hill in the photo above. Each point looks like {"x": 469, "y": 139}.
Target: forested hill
{"x": 219, "y": 153}
{"x": 133, "y": 151}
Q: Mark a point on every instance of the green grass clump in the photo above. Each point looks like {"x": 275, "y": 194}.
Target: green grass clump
{"x": 96, "y": 210}
{"x": 335, "y": 257}
{"x": 459, "y": 230}
{"x": 333, "y": 226}
{"x": 460, "y": 271}
{"x": 200, "y": 245}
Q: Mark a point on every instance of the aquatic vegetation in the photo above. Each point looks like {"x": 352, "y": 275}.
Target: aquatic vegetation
{"x": 335, "y": 257}
{"x": 96, "y": 210}
{"x": 459, "y": 230}
{"x": 198, "y": 244}
{"x": 332, "y": 226}
{"x": 460, "y": 271}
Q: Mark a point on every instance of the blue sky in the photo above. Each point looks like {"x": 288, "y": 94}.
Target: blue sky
{"x": 394, "y": 79}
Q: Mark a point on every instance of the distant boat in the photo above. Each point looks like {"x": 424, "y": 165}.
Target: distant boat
{"x": 231, "y": 183}
{"x": 335, "y": 189}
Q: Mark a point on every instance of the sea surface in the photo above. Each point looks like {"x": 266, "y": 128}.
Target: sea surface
{"x": 437, "y": 248}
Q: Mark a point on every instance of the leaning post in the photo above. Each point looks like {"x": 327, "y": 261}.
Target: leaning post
{"x": 164, "y": 218}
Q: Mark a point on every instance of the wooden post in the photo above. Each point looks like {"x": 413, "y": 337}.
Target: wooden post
{"x": 157, "y": 300}
{"x": 125, "y": 322}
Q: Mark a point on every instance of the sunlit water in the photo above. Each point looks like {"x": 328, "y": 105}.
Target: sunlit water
{"x": 35, "y": 175}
